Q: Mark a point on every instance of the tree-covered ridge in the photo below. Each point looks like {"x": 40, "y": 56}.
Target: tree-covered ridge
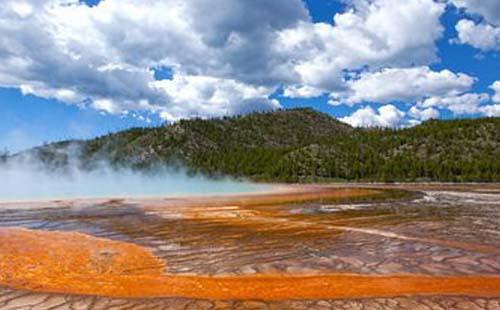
{"x": 460, "y": 150}
{"x": 304, "y": 145}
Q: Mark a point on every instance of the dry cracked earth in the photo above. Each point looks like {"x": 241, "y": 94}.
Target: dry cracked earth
{"x": 434, "y": 247}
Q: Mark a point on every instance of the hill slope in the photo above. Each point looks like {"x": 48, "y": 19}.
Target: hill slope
{"x": 301, "y": 145}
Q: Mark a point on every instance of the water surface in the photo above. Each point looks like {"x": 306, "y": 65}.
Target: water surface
{"x": 29, "y": 185}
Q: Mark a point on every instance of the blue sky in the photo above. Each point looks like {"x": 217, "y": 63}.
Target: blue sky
{"x": 456, "y": 57}
{"x": 153, "y": 78}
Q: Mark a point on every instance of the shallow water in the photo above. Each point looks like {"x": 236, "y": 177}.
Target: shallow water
{"x": 309, "y": 249}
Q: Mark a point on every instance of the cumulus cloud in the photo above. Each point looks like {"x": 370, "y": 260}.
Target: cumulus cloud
{"x": 479, "y": 35}
{"x": 402, "y": 84}
{"x": 105, "y": 56}
{"x": 423, "y": 114}
{"x": 489, "y": 9}
{"x": 390, "y": 116}
{"x": 492, "y": 110}
{"x": 496, "y": 88}
{"x": 203, "y": 96}
{"x": 469, "y": 103}
{"x": 385, "y": 116}
{"x": 483, "y": 35}
{"x": 234, "y": 59}
{"x": 371, "y": 34}
{"x": 302, "y": 91}
{"x": 227, "y": 62}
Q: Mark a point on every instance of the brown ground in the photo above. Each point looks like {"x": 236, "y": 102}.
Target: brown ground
{"x": 303, "y": 247}
{"x": 78, "y": 264}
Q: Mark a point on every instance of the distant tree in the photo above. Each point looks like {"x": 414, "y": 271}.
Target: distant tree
{"x": 4, "y": 155}
{"x": 303, "y": 145}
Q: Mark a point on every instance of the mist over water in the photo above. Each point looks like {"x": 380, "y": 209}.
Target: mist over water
{"x": 27, "y": 181}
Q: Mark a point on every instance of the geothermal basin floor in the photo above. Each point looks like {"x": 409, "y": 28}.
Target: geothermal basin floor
{"x": 303, "y": 247}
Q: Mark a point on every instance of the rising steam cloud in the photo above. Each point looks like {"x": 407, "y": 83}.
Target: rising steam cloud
{"x": 26, "y": 178}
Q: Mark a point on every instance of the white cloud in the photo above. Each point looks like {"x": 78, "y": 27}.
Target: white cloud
{"x": 22, "y": 9}
{"x": 225, "y": 62}
{"x": 464, "y": 104}
{"x": 496, "y": 88}
{"x": 423, "y": 114}
{"x": 385, "y": 116}
{"x": 202, "y": 96}
{"x": 492, "y": 110}
{"x": 103, "y": 55}
{"x": 484, "y": 35}
{"x": 302, "y": 91}
{"x": 489, "y": 9}
{"x": 410, "y": 84}
{"x": 373, "y": 33}
{"x": 481, "y": 36}
{"x": 469, "y": 103}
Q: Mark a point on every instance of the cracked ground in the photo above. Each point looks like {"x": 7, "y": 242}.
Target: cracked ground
{"x": 320, "y": 248}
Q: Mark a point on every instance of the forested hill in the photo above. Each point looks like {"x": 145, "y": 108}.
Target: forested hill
{"x": 302, "y": 145}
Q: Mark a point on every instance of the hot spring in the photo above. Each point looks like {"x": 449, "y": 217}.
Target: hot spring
{"x": 26, "y": 183}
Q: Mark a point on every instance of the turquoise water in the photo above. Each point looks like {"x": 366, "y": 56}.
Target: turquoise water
{"x": 29, "y": 185}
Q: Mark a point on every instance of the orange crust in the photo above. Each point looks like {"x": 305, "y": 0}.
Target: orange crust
{"x": 75, "y": 263}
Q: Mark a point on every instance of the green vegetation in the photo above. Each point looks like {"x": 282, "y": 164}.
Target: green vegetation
{"x": 303, "y": 146}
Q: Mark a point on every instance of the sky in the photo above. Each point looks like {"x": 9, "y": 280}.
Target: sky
{"x": 74, "y": 69}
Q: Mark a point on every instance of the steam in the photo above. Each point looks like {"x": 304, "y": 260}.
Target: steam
{"x": 26, "y": 178}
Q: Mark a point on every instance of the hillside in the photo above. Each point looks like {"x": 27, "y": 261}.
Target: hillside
{"x": 300, "y": 145}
